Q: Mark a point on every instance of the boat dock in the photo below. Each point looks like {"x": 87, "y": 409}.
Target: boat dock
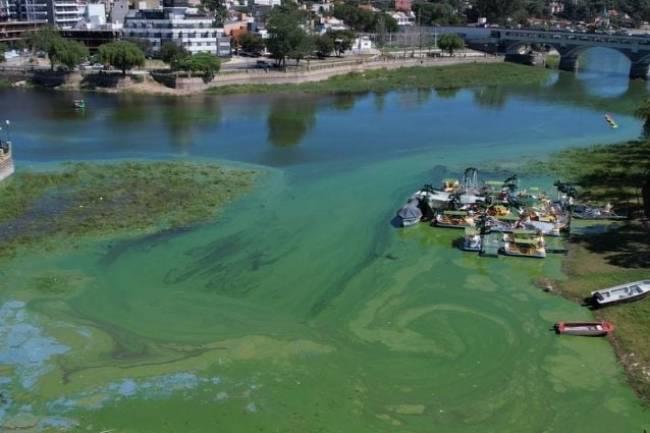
{"x": 491, "y": 244}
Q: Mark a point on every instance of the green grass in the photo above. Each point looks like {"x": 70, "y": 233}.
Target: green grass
{"x": 382, "y": 80}
{"x": 98, "y": 199}
{"x": 611, "y": 173}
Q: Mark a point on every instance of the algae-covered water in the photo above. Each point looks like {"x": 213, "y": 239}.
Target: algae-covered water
{"x": 301, "y": 308}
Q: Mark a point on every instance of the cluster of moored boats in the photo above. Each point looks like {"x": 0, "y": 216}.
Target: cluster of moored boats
{"x": 496, "y": 215}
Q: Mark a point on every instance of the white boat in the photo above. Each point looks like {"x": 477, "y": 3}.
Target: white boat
{"x": 595, "y": 213}
{"x": 435, "y": 198}
{"x": 6, "y": 160}
{"x": 623, "y": 293}
{"x": 496, "y": 225}
{"x": 547, "y": 228}
{"x": 410, "y": 214}
{"x": 472, "y": 241}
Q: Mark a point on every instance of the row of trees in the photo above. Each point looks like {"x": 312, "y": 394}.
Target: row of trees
{"x": 289, "y": 40}
{"x": 122, "y": 55}
{"x": 363, "y": 20}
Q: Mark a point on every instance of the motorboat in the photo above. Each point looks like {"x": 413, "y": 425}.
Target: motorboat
{"x": 610, "y": 121}
{"x": 524, "y": 243}
{"x": 434, "y": 198}
{"x": 498, "y": 225}
{"x": 454, "y": 219}
{"x": 472, "y": 240}
{"x": 595, "y": 213}
{"x": 585, "y": 329}
{"x": 546, "y": 228}
{"x": 79, "y": 104}
{"x": 410, "y": 214}
{"x": 6, "y": 160}
{"x": 622, "y": 293}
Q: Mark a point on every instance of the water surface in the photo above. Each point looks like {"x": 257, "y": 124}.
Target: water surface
{"x": 301, "y": 308}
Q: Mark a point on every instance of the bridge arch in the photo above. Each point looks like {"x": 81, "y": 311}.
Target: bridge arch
{"x": 572, "y": 45}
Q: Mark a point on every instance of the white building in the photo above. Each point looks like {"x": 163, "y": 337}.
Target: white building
{"x": 184, "y": 26}
{"x": 403, "y": 19}
{"x": 330, "y": 23}
{"x": 266, "y": 3}
{"x": 362, "y": 45}
{"x": 63, "y": 14}
{"x": 319, "y": 8}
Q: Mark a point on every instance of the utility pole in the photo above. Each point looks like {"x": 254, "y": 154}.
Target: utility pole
{"x": 420, "y": 29}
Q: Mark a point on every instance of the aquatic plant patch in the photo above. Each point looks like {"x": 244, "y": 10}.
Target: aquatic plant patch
{"x": 84, "y": 198}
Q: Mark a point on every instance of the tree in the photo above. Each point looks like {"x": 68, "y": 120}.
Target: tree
{"x": 123, "y": 55}
{"x": 218, "y": 9}
{"x": 205, "y": 63}
{"x": 251, "y": 43}
{"x": 643, "y": 113}
{"x": 3, "y": 50}
{"x": 66, "y": 52}
{"x": 304, "y": 47}
{"x": 342, "y": 40}
{"x": 172, "y": 54}
{"x": 359, "y": 19}
{"x": 389, "y": 23}
{"x": 286, "y": 36}
{"x": 450, "y": 42}
{"x": 498, "y": 11}
{"x": 42, "y": 39}
{"x": 324, "y": 45}
{"x": 436, "y": 13}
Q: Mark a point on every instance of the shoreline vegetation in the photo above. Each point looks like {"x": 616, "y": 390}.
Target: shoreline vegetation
{"x": 84, "y": 199}
{"x": 413, "y": 77}
{"x": 605, "y": 254}
{"x": 426, "y": 76}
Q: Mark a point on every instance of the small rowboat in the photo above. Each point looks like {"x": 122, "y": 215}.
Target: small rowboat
{"x": 623, "y": 293}
{"x": 610, "y": 120}
{"x": 585, "y": 329}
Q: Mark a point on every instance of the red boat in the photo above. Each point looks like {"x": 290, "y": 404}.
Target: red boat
{"x": 586, "y": 329}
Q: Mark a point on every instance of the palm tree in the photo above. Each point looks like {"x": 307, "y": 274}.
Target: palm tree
{"x": 643, "y": 113}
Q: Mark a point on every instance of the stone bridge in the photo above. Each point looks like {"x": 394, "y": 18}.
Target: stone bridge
{"x": 571, "y": 45}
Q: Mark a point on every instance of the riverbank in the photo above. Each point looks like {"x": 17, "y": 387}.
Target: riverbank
{"x": 415, "y": 77}
{"x": 605, "y": 254}
{"x": 346, "y": 76}
{"x": 615, "y": 256}
{"x": 85, "y": 199}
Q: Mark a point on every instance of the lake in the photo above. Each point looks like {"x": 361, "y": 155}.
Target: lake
{"x": 301, "y": 308}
